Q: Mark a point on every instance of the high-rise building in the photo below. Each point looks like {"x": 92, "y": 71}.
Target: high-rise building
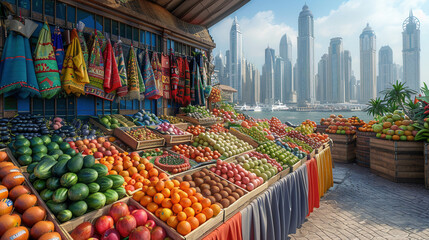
{"x": 285, "y": 49}
{"x": 236, "y": 58}
{"x": 279, "y": 76}
{"x": 353, "y": 88}
{"x": 385, "y": 69}
{"x": 397, "y": 72}
{"x": 411, "y": 52}
{"x": 335, "y": 84}
{"x": 347, "y": 74}
{"x": 256, "y": 85}
{"x": 322, "y": 78}
{"x": 220, "y": 67}
{"x": 368, "y": 67}
{"x": 305, "y": 86}
{"x": 267, "y": 81}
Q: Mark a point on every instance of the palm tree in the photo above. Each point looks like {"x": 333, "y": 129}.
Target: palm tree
{"x": 398, "y": 94}
{"x": 376, "y": 107}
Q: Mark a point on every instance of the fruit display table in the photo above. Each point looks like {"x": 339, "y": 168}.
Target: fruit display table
{"x": 139, "y": 138}
{"x": 362, "y": 148}
{"x": 398, "y": 161}
{"x": 344, "y": 148}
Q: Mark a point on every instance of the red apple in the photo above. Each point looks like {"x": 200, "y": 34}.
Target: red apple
{"x": 72, "y": 144}
{"x": 115, "y": 152}
{"x": 140, "y": 215}
{"x": 83, "y": 231}
{"x": 118, "y": 210}
{"x": 98, "y": 155}
{"x": 131, "y": 208}
{"x": 87, "y": 151}
{"x": 101, "y": 149}
{"x": 93, "y": 141}
{"x": 111, "y": 234}
{"x": 158, "y": 233}
{"x": 108, "y": 153}
{"x": 106, "y": 144}
{"x": 140, "y": 233}
{"x": 103, "y": 224}
{"x": 125, "y": 225}
{"x": 150, "y": 224}
{"x": 112, "y": 148}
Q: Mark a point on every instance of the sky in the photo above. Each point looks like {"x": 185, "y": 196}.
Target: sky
{"x": 263, "y": 22}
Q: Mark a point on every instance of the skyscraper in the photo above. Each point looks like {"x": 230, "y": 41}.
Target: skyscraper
{"x": 385, "y": 69}
{"x": 220, "y": 67}
{"x": 347, "y": 74}
{"x": 279, "y": 76}
{"x": 322, "y": 78}
{"x": 305, "y": 60}
{"x": 256, "y": 85}
{"x": 335, "y": 83}
{"x": 286, "y": 54}
{"x": 267, "y": 81}
{"x": 368, "y": 79}
{"x": 397, "y": 72}
{"x": 236, "y": 58}
{"x": 411, "y": 52}
{"x": 353, "y": 88}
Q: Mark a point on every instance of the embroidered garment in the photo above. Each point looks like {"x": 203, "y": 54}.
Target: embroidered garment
{"x": 45, "y": 65}
{"x": 203, "y": 73}
{"x": 187, "y": 98}
{"x": 174, "y": 77}
{"x": 111, "y": 75}
{"x": 57, "y": 41}
{"x": 133, "y": 76}
{"x": 197, "y": 85}
{"x": 17, "y": 76}
{"x": 119, "y": 56}
{"x": 157, "y": 72}
{"x": 181, "y": 86}
{"x": 149, "y": 79}
{"x": 165, "y": 68}
{"x": 74, "y": 75}
{"x": 83, "y": 46}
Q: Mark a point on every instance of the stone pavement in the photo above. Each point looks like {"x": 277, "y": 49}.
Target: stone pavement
{"x": 362, "y": 205}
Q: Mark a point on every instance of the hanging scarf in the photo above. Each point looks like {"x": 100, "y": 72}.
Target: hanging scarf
{"x": 149, "y": 78}
{"x": 165, "y": 68}
{"x": 45, "y": 65}
{"x": 187, "y": 98}
{"x": 17, "y": 76}
{"x": 181, "y": 87}
{"x": 57, "y": 41}
{"x": 203, "y": 72}
{"x": 119, "y": 56}
{"x": 157, "y": 72}
{"x": 174, "y": 77}
{"x": 197, "y": 85}
{"x": 83, "y": 46}
{"x": 74, "y": 75}
{"x": 112, "y": 80}
{"x": 133, "y": 76}
{"x": 193, "y": 79}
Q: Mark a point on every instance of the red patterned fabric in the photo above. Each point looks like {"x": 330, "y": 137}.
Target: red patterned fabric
{"x": 174, "y": 77}
{"x": 230, "y": 229}
{"x": 165, "y": 66}
{"x": 111, "y": 74}
{"x": 313, "y": 185}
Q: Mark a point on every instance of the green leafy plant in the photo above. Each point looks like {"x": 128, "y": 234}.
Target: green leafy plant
{"x": 376, "y": 107}
{"x": 398, "y": 95}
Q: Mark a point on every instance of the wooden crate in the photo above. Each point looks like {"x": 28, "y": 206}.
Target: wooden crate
{"x": 177, "y": 139}
{"x": 296, "y": 166}
{"x": 362, "y": 148}
{"x": 343, "y": 148}
{"x": 96, "y": 123}
{"x": 398, "y": 161}
{"x": 182, "y": 126}
{"x": 202, "y": 122}
{"x": 427, "y": 165}
{"x": 135, "y": 144}
{"x": 285, "y": 172}
{"x": 244, "y": 137}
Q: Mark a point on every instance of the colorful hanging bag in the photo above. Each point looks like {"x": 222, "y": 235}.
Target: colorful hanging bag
{"x": 57, "y": 41}
{"x": 83, "y": 46}
{"x": 165, "y": 68}
{"x": 181, "y": 87}
{"x": 187, "y": 98}
{"x": 45, "y": 65}
{"x": 151, "y": 91}
{"x": 122, "y": 70}
{"x": 133, "y": 76}
{"x": 157, "y": 72}
{"x": 112, "y": 81}
{"x": 174, "y": 77}
{"x": 74, "y": 75}
{"x": 193, "y": 79}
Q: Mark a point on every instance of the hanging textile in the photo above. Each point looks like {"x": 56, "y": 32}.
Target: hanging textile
{"x": 165, "y": 68}
{"x": 133, "y": 76}
{"x": 203, "y": 73}
{"x": 74, "y": 75}
{"x": 45, "y": 65}
{"x": 181, "y": 86}
{"x": 157, "y": 72}
{"x": 83, "y": 46}
{"x": 174, "y": 77}
{"x": 193, "y": 79}
{"x": 151, "y": 91}
{"x": 187, "y": 98}
{"x": 119, "y": 56}
{"x": 196, "y": 85}
{"x": 112, "y": 80}
{"x": 17, "y": 75}
{"x": 57, "y": 41}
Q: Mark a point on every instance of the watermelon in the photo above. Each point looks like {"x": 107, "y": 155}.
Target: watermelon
{"x": 38, "y": 157}
{"x": 24, "y": 160}
{"x": 121, "y": 192}
{"x": 60, "y": 195}
{"x": 20, "y": 137}
{"x": 43, "y": 169}
{"x": 46, "y": 139}
{"x": 75, "y": 164}
{"x": 30, "y": 168}
{"x": 78, "y": 192}
{"x": 39, "y": 184}
{"x": 56, "y": 153}
{"x": 96, "y": 200}
{"x": 32, "y": 177}
{"x": 105, "y": 183}
{"x": 101, "y": 169}
{"x": 23, "y": 151}
{"x": 21, "y": 143}
{"x": 68, "y": 180}
{"x": 88, "y": 161}
{"x": 64, "y": 146}
{"x": 46, "y": 194}
{"x": 53, "y": 146}
{"x": 60, "y": 168}
{"x": 118, "y": 180}
{"x": 87, "y": 175}
{"x": 70, "y": 152}
{"x": 47, "y": 157}
{"x": 36, "y": 141}
{"x": 111, "y": 196}
{"x": 39, "y": 149}
{"x": 53, "y": 183}
{"x": 78, "y": 208}
{"x": 56, "y": 139}
{"x": 93, "y": 187}
{"x": 56, "y": 207}
{"x": 64, "y": 215}
{"x": 64, "y": 157}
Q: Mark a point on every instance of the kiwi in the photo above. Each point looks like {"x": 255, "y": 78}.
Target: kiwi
{"x": 232, "y": 187}
{"x": 225, "y": 203}
{"x": 192, "y": 183}
{"x": 235, "y": 195}
{"x": 199, "y": 181}
{"x": 187, "y": 178}
{"x": 204, "y": 186}
{"x": 196, "y": 175}
{"x": 214, "y": 189}
{"x": 219, "y": 185}
{"x": 207, "y": 178}
{"x": 228, "y": 190}
{"x": 217, "y": 197}
{"x": 206, "y": 192}
{"x": 212, "y": 198}
{"x": 240, "y": 192}
{"x": 198, "y": 189}
{"x": 224, "y": 183}
{"x": 223, "y": 193}
{"x": 231, "y": 199}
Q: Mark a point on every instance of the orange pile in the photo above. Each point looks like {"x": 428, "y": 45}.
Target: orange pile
{"x": 176, "y": 203}
{"x": 199, "y": 154}
{"x": 367, "y": 127}
{"x": 196, "y": 130}
{"x": 319, "y": 137}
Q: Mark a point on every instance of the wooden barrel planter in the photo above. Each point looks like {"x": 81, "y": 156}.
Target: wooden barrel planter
{"x": 344, "y": 148}
{"x": 427, "y": 165}
{"x": 362, "y": 148}
{"x": 398, "y": 161}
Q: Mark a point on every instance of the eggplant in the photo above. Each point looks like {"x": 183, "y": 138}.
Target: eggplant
{"x": 92, "y": 132}
{"x": 4, "y": 138}
{"x": 85, "y": 126}
{"x": 72, "y": 134}
{"x": 85, "y": 132}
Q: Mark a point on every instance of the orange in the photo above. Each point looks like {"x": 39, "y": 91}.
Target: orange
{"x": 172, "y": 221}
{"x": 208, "y": 212}
{"x": 152, "y": 207}
{"x": 158, "y": 212}
{"x": 201, "y": 218}
{"x": 138, "y": 185}
{"x": 177, "y": 208}
{"x": 141, "y": 167}
{"x": 206, "y": 202}
{"x": 163, "y": 176}
{"x": 199, "y": 196}
{"x": 159, "y": 186}
{"x": 144, "y": 173}
{"x": 184, "y": 228}
{"x": 169, "y": 184}
{"x": 185, "y": 202}
{"x": 181, "y": 216}
{"x": 165, "y": 214}
{"x": 184, "y": 185}
{"x": 153, "y": 172}
{"x": 151, "y": 191}
{"x": 176, "y": 183}
{"x": 189, "y": 211}
{"x": 395, "y": 137}
{"x": 146, "y": 182}
{"x": 189, "y": 192}
{"x": 127, "y": 164}
{"x": 118, "y": 168}
{"x": 132, "y": 170}
{"x": 166, "y": 192}
{"x": 124, "y": 173}
{"x": 193, "y": 199}
{"x": 148, "y": 166}
{"x": 167, "y": 203}
{"x": 145, "y": 200}
{"x": 197, "y": 207}
{"x": 138, "y": 195}
{"x": 158, "y": 198}
{"x": 216, "y": 209}
{"x": 175, "y": 198}
{"x": 194, "y": 222}
{"x": 113, "y": 172}
{"x": 182, "y": 194}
